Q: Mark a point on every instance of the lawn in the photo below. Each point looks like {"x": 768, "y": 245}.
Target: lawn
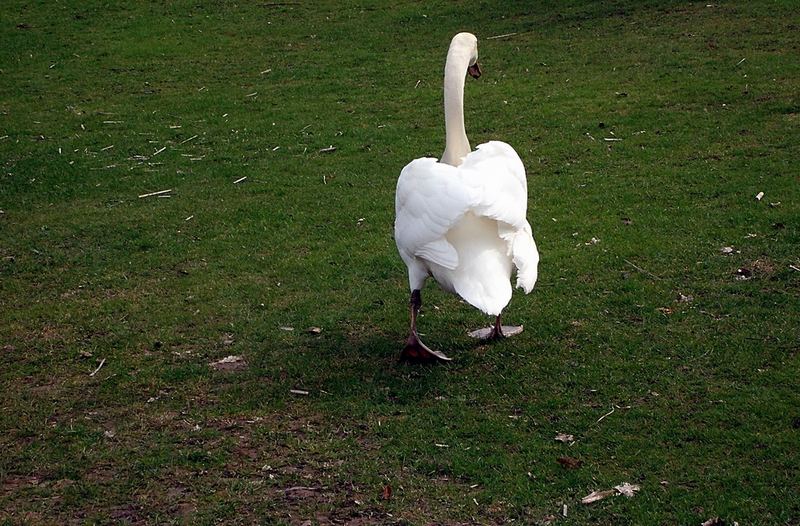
{"x": 663, "y": 333}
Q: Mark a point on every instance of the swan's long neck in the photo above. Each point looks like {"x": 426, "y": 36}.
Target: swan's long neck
{"x": 456, "y": 142}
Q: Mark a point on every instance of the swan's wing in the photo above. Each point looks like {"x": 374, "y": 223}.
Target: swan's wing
{"x": 430, "y": 199}
{"x": 496, "y": 173}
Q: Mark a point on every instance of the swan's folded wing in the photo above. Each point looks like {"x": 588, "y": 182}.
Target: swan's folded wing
{"x": 430, "y": 199}
{"x": 495, "y": 172}
{"x": 440, "y": 252}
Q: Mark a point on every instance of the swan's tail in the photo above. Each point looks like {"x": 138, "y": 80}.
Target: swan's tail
{"x": 522, "y": 249}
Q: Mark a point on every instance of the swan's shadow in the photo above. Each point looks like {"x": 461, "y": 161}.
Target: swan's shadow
{"x": 372, "y": 369}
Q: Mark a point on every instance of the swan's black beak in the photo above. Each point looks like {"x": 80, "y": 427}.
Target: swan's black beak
{"x": 474, "y": 71}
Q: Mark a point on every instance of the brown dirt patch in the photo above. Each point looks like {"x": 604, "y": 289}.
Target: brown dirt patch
{"x": 763, "y": 266}
{"x": 14, "y": 483}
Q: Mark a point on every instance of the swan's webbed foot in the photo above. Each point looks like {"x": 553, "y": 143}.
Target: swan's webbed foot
{"x": 492, "y": 333}
{"x": 417, "y": 352}
{"x": 496, "y": 332}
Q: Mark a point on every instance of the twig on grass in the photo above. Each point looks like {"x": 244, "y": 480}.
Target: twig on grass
{"x": 605, "y": 415}
{"x": 501, "y": 36}
{"x": 239, "y": 180}
{"x": 640, "y": 269}
{"x": 156, "y": 193}
{"x": 102, "y": 362}
{"x": 189, "y": 139}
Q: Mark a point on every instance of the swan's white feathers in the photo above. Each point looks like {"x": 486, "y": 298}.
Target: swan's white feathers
{"x": 496, "y": 172}
{"x": 442, "y": 212}
{"x": 428, "y": 202}
{"x": 525, "y": 257}
{"x": 440, "y": 252}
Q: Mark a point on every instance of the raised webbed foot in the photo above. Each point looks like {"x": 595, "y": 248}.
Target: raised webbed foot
{"x": 417, "y": 352}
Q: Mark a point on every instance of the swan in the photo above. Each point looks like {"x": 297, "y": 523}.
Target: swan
{"x": 462, "y": 219}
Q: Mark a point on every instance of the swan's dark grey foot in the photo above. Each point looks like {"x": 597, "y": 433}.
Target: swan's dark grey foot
{"x": 496, "y": 332}
{"x": 417, "y": 352}
{"x": 493, "y": 333}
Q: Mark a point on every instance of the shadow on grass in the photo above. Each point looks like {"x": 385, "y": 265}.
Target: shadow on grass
{"x": 365, "y": 369}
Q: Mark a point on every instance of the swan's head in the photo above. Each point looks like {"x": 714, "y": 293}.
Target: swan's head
{"x": 467, "y": 43}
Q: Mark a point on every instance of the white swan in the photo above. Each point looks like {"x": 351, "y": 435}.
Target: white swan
{"x": 462, "y": 219}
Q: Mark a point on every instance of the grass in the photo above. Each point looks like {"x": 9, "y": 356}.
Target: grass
{"x": 101, "y": 103}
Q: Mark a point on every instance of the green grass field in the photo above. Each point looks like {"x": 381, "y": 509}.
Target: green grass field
{"x": 674, "y": 365}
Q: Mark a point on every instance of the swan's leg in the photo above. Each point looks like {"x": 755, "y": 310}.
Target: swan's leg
{"x": 416, "y": 351}
{"x": 498, "y": 331}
